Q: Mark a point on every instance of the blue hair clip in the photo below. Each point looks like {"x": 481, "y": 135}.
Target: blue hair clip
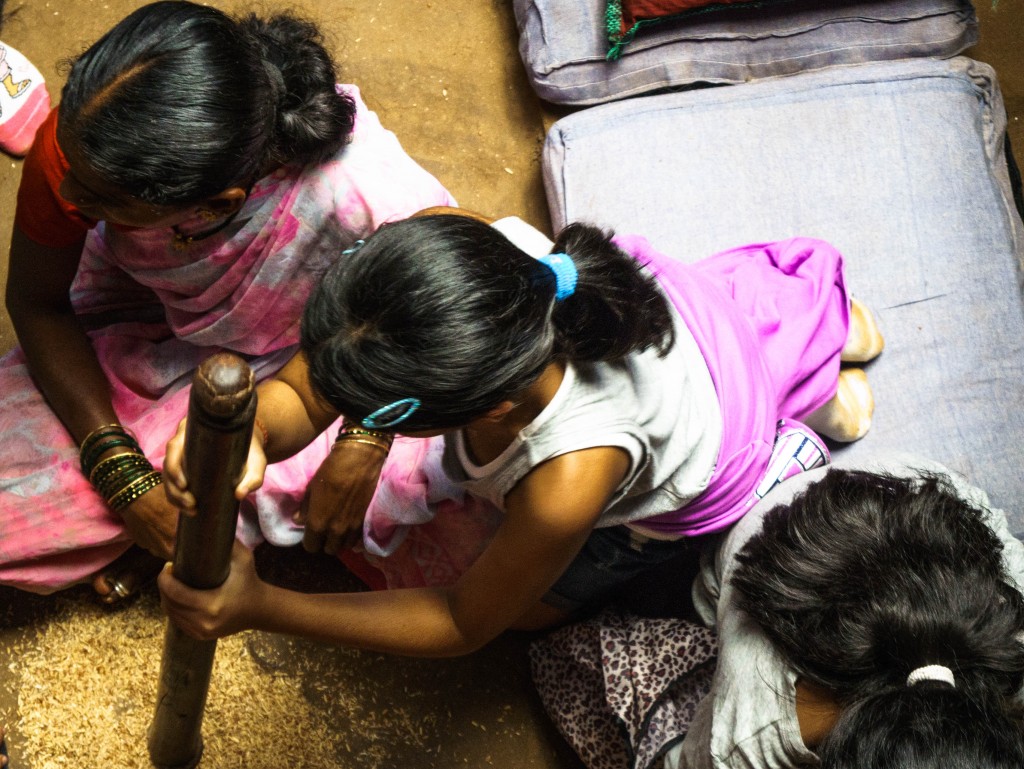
{"x": 353, "y": 248}
{"x": 392, "y": 414}
{"x": 565, "y": 274}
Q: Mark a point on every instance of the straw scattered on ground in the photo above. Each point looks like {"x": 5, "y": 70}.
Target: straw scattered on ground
{"x": 86, "y": 680}
{"x": 87, "y": 686}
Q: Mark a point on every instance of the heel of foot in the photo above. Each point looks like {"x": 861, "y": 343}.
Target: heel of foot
{"x": 865, "y": 341}
{"x": 847, "y": 417}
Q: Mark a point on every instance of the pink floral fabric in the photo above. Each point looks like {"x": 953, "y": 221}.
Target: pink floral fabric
{"x": 156, "y": 311}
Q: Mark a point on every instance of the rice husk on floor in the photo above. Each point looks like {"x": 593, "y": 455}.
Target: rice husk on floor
{"x": 85, "y": 700}
{"x": 86, "y": 678}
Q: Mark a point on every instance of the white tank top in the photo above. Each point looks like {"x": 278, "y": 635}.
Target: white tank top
{"x": 663, "y": 412}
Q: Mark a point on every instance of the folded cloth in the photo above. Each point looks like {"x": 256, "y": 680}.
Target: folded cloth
{"x": 24, "y": 101}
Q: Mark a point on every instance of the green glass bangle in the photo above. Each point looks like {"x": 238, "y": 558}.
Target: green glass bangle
{"x": 104, "y": 432}
{"x": 120, "y": 481}
{"x": 111, "y": 429}
{"x": 110, "y": 465}
{"x": 92, "y": 456}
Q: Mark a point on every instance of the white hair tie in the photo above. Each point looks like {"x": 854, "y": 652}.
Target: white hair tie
{"x": 931, "y": 673}
{"x": 524, "y": 236}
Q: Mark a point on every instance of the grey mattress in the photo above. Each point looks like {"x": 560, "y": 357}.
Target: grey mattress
{"x": 901, "y": 165}
{"x": 563, "y": 44}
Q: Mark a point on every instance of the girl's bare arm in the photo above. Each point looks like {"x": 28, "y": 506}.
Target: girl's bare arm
{"x": 549, "y": 517}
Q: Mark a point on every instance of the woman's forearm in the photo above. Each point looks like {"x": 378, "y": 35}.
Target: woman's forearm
{"x": 65, "y": 368}
{"x": 59, "y": 353}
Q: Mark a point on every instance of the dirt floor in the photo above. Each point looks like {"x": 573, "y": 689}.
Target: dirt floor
{"x": 447, "y": 78}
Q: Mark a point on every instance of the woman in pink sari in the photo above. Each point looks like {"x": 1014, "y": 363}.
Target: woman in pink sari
{"x": 198, "y": 176}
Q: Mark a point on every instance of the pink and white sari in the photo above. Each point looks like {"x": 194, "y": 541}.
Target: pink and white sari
{"x": 156, "y": 312}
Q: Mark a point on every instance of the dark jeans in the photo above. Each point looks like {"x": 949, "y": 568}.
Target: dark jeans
{"x": 611, "y": 558}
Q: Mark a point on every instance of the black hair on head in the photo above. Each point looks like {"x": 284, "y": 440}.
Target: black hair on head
{"x": 179, "y": 102}
{"x": 447, "y": 310}
{"x": 927, "y": 726}
{"x": 867, "y": 577}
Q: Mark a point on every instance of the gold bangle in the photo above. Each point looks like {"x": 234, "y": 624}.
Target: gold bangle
{"x": 134, "y": 490}
{"x": 116, "y": 477}
{"x": 135, "y": 481}
{"x": 347, "y": 428}
{"x": 123, "y": 503}
{"x": 127, "y": 488}
{"x": 135, "y": 458}
{"x": 357, "y": 439}
{"x": 117, "y": 482}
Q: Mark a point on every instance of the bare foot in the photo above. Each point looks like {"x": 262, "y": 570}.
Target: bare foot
{"x": 864, "y": 341}
{"x": 123, "y": 579}
{"x": 847, "y": 417}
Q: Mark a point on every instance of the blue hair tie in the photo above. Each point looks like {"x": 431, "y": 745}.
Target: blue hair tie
{"x": 353, "y": 248}
{"x": 565, "y": 274}
{"x": 392, "y": 414}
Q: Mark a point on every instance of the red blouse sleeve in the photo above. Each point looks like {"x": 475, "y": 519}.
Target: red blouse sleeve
{"x": 42, "y": 214}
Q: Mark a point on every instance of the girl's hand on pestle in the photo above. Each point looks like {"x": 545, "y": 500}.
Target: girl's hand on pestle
{"x": 176, "y": 481}
{"x": 210, "y": 614}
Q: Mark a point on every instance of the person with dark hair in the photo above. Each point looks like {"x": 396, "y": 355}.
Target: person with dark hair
{"x": 865, "y": 618}
{"x": 612, "y": 401}
{"x": 200, "y": 173}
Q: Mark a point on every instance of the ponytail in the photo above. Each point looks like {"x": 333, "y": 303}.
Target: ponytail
{"x": 179, "y": 102}
{"x": 866, "y": 578}
{"x": 446, "y": 310}
{"x": 616, "y": 309}
{"x": 933, "y": 726}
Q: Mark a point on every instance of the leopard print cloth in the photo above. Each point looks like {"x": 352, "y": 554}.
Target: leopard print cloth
{"x": 623, "y": 689}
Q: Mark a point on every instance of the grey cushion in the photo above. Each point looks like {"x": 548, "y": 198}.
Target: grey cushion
{"x": 901, "y": 165}
{"x": 563, "y": 44}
